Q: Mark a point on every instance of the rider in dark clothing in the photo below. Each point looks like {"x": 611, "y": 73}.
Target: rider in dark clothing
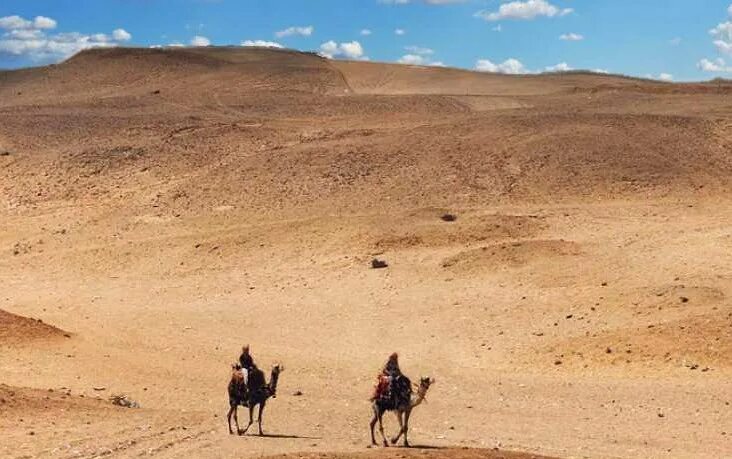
{"x": 245, "y": 359}
{"x": 255, "y": 381}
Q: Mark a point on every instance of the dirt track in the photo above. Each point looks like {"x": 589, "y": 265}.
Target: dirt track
{"x": 164, "y": 207}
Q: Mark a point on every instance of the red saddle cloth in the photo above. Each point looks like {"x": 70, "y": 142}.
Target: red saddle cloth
{"x": 381, "y": 390}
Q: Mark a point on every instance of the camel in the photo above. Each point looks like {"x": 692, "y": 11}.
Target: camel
{"x": 250, "y": 393}
{"x": 402, "y": 403}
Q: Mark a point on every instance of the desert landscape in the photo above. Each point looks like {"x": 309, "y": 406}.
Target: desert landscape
{"x": 558, "y": 250}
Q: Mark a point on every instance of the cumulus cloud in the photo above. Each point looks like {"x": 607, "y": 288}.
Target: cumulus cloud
{"x": 121, "y": 35}
{"x": 32, "y": 39}
{"x": 413, "y": 59}
{"x": 365, "y": 32}
{"x": 524, "y": 10}
{"x": 261, "y": 43}
{"x": 723, "y": 35}
{"x": 304, "y": 31}
{"x": 18, "y": 23}
{"x": 665, "y": 77}
{"x": 348, "y": 50}
{"x": 716, "y": 66}
{"x": 200, "y": 40}
{"x": 399, "y": 31}
{"x": 561, "y": 67}
{"x": 571, "y": 37}
{"x": 509, "y": 66}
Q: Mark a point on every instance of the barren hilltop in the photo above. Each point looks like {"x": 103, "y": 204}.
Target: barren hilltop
{"x": 557, "y": 249}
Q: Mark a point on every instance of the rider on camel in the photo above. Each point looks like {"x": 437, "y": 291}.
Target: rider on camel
{"x": 389, "y": 373}
{"x": 245, "y": 359}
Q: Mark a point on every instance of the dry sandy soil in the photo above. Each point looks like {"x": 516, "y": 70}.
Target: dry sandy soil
{"x": 160, "y": 208}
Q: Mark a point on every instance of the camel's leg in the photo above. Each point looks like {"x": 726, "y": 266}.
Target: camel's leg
{"x": 373, "y": 423}
{"x": 406, "y": 426}
{"x": 381, "y": 428}
{"x": 251, "y": 419}
{"x": 236, "y": 419}
{"x": 261, "y": 410}
{"x": 395, "y": 438}
{"x": 232, "y": 409}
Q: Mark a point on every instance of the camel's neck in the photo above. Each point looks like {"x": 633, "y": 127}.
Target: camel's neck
{"x": 419, "y": 398}
{"x": 273, "y": 381}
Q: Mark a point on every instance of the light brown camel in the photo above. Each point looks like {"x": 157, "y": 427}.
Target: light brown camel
{"x": 251, "y": 393}
{"x": 402, "y": 402}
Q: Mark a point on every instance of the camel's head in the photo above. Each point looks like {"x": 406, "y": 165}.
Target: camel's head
{"x": 425, "y": 382}
{"x": 276, "y": 370}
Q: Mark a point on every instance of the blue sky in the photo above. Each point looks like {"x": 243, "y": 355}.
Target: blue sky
{"x": 679, "y": 39}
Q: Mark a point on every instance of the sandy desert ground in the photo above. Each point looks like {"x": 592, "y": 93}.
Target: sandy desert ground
{"x": 160, "y": 208}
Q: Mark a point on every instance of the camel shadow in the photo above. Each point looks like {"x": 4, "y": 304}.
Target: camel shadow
{"x": 297, "y": 437}
{"x": 422, "y": 447}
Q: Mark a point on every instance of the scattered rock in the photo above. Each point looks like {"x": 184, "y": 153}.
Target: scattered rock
{"x": 99, "y": 388}
{"x": 684, "y": 299}
{"x": 448, "y": 217}
{"x": 608, "y": 351}
{"x": 297, "y": 393}
{"x": 123, "y": 401}
{"x": 378, "y": 264}
{"x": 157, "y": 91}
{"x": 557, "y": 362}
{"x": 4, "y": 152}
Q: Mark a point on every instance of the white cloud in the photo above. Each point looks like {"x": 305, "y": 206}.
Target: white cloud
{"x": 31, "y": 39}
{"x": 419, "y": 50}
{"x": 524, "y": 10}
{"x": 729, "y": 10}
{"x": 716, "y": 66}
{"x": 17, "y": 23}
{"x": 399, "y": 31}
{"x": 561, "y": 67}
{"x": 304, "y": 31}
{"x": 675, "y": 41}
{"x": 723, "y": 35}
{"x": 261, "y": 43}
{"x": 660, "y": 77}
{"x": 417, "y": 59}
{"x": 349, "y": 50}
{"x": 509, "y": 66}
{"x": 571, "y": 37}
{"x": 14, "y": 23}
{"x": 176, "y": 45}
{"x": 42, "y": 22}
{"x": 497, "y": 28}
{"x": 365, "y": 32}
{"x": 413, "y": 59}
{"x": 603, "y": 71}
{"x": 121, "y": 35}
{"x": 665, "y": 77}
{"x": 199, "y": 40}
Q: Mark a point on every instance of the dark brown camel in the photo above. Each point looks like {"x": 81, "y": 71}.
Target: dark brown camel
{"x": 251, "y": 393}
{"x": 401, "y": 401}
